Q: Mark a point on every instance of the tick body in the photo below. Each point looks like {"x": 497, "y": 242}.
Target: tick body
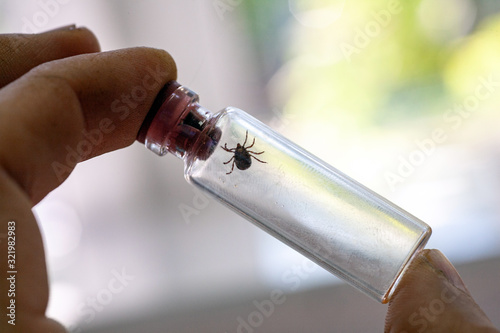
{"x": 242, "y": 156}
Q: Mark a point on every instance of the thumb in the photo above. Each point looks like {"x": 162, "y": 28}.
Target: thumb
{"x": 433, "y": 298}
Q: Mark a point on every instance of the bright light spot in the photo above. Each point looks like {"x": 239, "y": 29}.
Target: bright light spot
{"x": 445, "y": 20}
{"x": 61, "y": 227}
{"x": 314, "y": 16}
{"x": 63, "y": 302}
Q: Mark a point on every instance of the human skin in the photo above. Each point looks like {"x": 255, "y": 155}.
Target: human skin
{"x": 53, "y": 87}
{"x": 57, "y": 86}
{"x": 433, "y": 298}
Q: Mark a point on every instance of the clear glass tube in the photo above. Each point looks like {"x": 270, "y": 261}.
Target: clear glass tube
{"x": 312, "y": 207}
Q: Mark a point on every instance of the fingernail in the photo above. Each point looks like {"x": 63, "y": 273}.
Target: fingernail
{"x": 440, "y": 262}
{"x": 63, "y": 28}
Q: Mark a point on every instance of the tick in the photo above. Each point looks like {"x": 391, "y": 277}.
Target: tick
{"x": 242, "y": 156}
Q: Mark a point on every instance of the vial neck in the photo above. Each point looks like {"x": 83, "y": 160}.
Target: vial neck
{"x": 177, "y": 124}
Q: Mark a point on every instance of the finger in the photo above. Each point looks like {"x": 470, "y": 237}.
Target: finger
{"x": 21, "y": 52}
{"x": 433, "y": 298}
{"x": 76, "y": 108}
{"x": 24, "y": 286}
{"x": 55, "y": 115}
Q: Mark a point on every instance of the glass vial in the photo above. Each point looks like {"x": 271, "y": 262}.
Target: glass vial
{"x": 299, "y": 199}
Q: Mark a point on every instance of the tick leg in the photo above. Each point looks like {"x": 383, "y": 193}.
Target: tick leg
{"x": 257, "y": 159}
{"x": 232, "y": 150}
{"x": 246, "y": 137}
{"x": 251, "y": 144}
{"x": 253, "y": 152}
{"x": 232, "y": 158}
{"x": 232, "y": 167}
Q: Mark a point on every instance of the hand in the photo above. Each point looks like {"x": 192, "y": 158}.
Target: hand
{"x": 61, "y": 101}
{"x": 433, "y": 298}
